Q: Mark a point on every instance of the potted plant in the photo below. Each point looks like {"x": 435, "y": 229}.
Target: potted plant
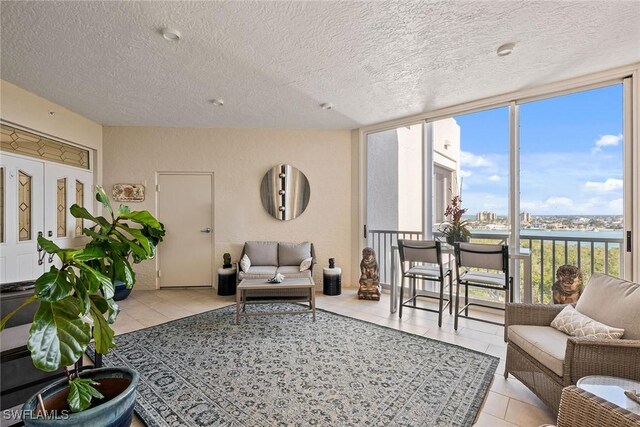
{"x": 76, "y": 305}
{"x": 456, "y": 229}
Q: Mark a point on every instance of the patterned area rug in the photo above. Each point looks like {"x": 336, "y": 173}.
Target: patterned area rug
{"x": 205, "y": 370}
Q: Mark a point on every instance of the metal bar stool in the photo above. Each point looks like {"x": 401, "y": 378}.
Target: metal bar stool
{"x": 490, "y": 257}
{"x": 429, "y": 254}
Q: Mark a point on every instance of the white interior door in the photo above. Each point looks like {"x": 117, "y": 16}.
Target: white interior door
{"x": 185, "y": 207}
{"x": 22, "y": 215}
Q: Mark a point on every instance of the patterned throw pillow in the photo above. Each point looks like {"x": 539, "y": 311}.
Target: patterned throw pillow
{"x": 245, "y": 263}
{"x": 306, "y": 264}
{"x": 572, "y": 322}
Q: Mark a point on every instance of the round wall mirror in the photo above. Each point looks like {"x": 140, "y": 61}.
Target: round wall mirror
{"x": 285, "y": 192}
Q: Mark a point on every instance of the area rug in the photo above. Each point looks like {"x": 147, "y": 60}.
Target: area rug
{"x": 286, "y": 370}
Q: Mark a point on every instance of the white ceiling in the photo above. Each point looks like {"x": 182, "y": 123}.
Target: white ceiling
{"x": 273, "y": 63}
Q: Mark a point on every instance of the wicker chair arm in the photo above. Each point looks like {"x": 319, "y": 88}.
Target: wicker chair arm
{"x": 531, "y": 314}
{"x": 595, "y": 356}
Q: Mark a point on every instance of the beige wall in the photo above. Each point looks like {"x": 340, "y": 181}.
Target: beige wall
{"x": 239, "y": 158}
{"x": 28, "y": 110}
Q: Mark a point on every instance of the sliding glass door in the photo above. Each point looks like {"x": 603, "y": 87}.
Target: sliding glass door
{"x": 571, "y": 184}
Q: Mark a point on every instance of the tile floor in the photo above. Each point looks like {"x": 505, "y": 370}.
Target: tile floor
{"x": 508, "y": 402}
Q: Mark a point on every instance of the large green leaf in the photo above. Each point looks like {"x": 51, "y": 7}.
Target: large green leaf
{"x": 139, "y": 237}
{"x": 137, "y": 250}
{"x": 26, "y": 302}
{"x": 94, "y": 235}
{"x": 58, "y": 336}
{"x": 90, "y": 253}
{"x": 122, "y": 271}
{"x": 102, "y": 197}
{"x": 102, "y": 332}
{"x": 53, "y": 285}
{"x": 106, "y": 306}
{"x": 105, "y": 281}
{"x": 80, "y": 212}
{"x": 48, "y": 246}
{"x": 144, "y": 218}
{"x": 81, "y": 391}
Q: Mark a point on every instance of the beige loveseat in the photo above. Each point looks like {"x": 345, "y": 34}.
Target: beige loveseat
{"x": 547, "y": 360}
{"x": 268, "y": 258}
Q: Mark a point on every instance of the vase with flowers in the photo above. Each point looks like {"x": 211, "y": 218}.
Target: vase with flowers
{"x": 455, "y": 229}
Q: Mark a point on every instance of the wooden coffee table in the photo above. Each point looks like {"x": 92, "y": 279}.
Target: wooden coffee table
{"x": 259, "y": 291}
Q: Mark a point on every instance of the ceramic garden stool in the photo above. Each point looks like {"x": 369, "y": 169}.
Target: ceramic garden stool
{"x": 227, "y": 281}
{"x": 332, "y": 281}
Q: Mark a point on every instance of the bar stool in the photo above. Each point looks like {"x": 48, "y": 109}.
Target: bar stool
{"x": 483, "y": 256}
{"x": 429, "y": 254}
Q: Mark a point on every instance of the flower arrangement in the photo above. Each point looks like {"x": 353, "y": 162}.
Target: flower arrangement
{"x": 456, "y": 229}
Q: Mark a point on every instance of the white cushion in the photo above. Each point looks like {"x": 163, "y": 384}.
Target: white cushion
{"x": 571, "y": 322}
{"x": 266, "y": 270}
{"x": 493, "y": 279}
{"x": 545, "y": 344}
{"x": 614, "y": 302}
{"x": 245, "y": 263}
{"x": 293, "y": 272}
{"x": 306, "y": 264}
{"x": 424, "y": 270}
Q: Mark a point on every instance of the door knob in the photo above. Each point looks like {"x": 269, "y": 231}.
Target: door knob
{"x": 206, "y": 230}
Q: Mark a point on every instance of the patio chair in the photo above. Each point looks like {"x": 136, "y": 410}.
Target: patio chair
{"x": 546, "y": 360}
{"x": 429, "y": 254}
{"x": 486, "y": 257}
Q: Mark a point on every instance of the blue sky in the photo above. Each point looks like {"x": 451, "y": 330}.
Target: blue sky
{"x": 570, "y": 155}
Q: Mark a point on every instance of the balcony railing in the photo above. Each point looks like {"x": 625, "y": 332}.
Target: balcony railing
{"x": 548, "y": 252}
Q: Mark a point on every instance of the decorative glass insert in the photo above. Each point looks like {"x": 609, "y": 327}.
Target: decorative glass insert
{"x": 24, "y": 206}
{"x": 1, "y": 205}
{"x": 79, "y": 202}
{"x": 29, "y": 144}
{"x": 61, "y": 207}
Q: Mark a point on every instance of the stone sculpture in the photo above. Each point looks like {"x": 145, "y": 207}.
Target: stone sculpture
{"x": 227, "y": 260}
{"x": 568, "y": 285}
{"x": 332, "y": 263}
{"x": 370, "y": 288}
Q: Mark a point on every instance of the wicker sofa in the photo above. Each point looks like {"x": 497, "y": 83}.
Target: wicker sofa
{"x": 268, "y": 258}
{"x": 546, "y": 360}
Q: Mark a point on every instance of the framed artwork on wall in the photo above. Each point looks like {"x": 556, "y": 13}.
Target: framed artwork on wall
{"x": 128, "y": 192}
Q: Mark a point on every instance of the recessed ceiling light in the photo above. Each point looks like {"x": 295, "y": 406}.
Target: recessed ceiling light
{"x": 171, "y": 35}
{"x": 326, "y": 106}
{"x": 505, "y": 49}
{"x": 217, "y": 102}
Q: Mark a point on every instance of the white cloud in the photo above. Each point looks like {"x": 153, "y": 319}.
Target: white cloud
{"x": 494, "y": 178}
{"x": 611, "y": 184}
{"x": 607, "y": 141}
{"x": 464, "y": 173}
{"x": 559, "y": 201}
{"x": 473, "y": 161}
{"x": 616, "y": 206}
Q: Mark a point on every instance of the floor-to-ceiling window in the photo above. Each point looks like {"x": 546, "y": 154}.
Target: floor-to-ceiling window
{"x": 552, "y": 168}
{"x": 571, "y": 184}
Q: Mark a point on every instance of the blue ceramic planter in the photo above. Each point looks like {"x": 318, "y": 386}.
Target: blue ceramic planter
{"x": 118, "y": 385}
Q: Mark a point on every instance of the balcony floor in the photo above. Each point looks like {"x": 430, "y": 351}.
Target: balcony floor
{"x": 508, "y": 402}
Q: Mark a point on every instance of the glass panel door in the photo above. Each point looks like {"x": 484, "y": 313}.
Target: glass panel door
{"x": 571, "y": 185}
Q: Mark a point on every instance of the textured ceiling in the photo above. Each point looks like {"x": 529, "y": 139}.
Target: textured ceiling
{"x": 273, "y": 63}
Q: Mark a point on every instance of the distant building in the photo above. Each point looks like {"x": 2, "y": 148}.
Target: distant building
{"x": 486, "y": 216}
{"x": 525, "y": 217}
